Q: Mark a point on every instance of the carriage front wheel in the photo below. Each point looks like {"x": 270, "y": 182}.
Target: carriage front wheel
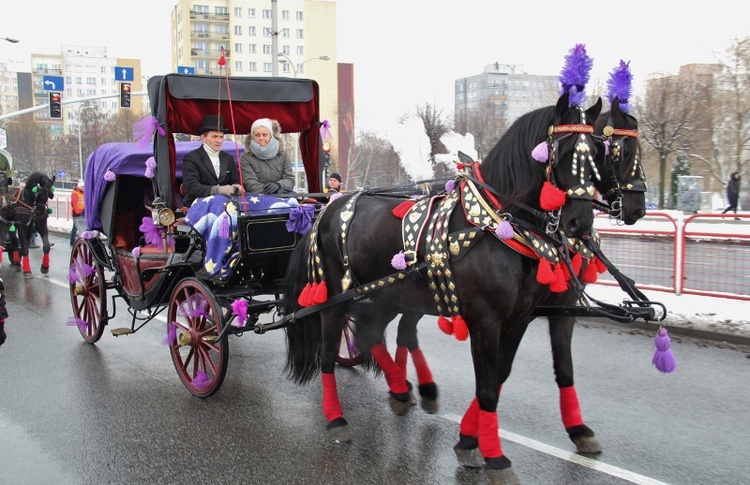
{"x": 348, "y": 355}
{"x": 88, "y": 292}
{"x": 194, "y": 321}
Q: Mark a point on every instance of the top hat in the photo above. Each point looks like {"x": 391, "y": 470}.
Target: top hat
{"x": 212, "y": 123}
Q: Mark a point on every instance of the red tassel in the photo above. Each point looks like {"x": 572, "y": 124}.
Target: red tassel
{"x": 320, "y": 293}
{"x": 304, "y": 296}
{"x": 445, "y": 325}
{"x": 559, "y": 285}
{"x": 577, "y": 262}
{"x": 590, "y": 274}
{"x": 460, "y": 330}
{"x": 551, "y": 197}
{"x": 544, "y": 274}
{"x": 401, "y": 209}
{"x": 565, "y": 271}
{"x": 600, "y": 267}
{"x": 222, "y": 60}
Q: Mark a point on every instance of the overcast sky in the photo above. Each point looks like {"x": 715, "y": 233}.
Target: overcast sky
{"x": 410, "y": 51}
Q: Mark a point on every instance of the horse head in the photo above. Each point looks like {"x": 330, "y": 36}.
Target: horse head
{"x": 39, "y": 188}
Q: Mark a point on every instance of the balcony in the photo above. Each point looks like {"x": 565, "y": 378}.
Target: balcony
{"x": 211, "y": 17}
{"x": 199, "y": 34}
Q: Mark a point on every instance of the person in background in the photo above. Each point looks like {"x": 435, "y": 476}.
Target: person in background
{"x": 3, "y": 311}
{"x": 265, "y": 165}
{"x": 207, "y": 170}
{"x": 334, "y": 183}
{"x": 733, "y": 193}
{"x": 76, "y": 209}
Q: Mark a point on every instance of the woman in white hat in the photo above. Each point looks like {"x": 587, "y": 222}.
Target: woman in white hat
{"x": 265, "y": 165}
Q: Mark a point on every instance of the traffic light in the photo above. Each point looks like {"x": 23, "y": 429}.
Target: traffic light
{"x": 125, "y": 95}
{"x": 55, "y": 105}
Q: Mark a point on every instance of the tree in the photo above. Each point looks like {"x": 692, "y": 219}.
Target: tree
{"x": 436, "y": 124}
{"x": 26, "y": 138}
{"x": 374, "y": 163}
{"x": 485, "y": 124}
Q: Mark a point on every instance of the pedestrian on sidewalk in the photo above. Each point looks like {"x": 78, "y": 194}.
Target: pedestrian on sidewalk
{"x": 733, "y": 193}
{"x": 77, "y": 209}
{"x": 3, "y": 311}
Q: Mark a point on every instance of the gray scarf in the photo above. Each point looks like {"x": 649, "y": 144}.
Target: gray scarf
{"x": 267, "y": 152}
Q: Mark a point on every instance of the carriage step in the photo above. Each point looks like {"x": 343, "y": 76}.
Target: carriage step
{"x": 121, "y": 331}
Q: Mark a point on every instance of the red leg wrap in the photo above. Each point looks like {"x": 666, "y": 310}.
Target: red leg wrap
{"x": 423, "y": 371}
{"x": 569, "y": 407}
{"x": 489, "y": 439}
{"x": 470, "y": 421}
{"x": 395, "y": 377}
{"x": 331, "y": 404}
{"x": 402, "y": 355}
{"x": 25, "y": 264}
{"x": 45, "y": 260}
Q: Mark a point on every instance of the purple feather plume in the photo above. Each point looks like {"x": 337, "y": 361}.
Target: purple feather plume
{"x": 151, "y": 232}
{"x": 575, "y": 74}
{"x": 620, "y": 85}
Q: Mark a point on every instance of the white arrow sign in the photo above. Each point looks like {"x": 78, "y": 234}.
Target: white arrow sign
{"x": 49, "y": 83}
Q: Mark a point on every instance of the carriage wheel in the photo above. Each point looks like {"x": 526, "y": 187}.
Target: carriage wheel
{"x": 88, "y": 294}
{"x": 194, "y": 321}
{"x": 348, "y": 353}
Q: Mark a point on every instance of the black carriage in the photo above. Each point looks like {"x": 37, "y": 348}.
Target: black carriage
{"x": 138, "y": 247}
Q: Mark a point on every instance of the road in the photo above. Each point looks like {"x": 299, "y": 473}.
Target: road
{"x": 115, "y": 412}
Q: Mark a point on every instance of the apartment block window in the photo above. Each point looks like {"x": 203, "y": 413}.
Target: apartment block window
{"x": 251, "y": 13}
{"x": 286, "y": 68}
{"x": 252, "y": 66}
{"x": 267, "y": 31}
{"x": 103, "y": 69}
{"x": 285, "y": 33}
{"x": 91, "y": 92}
{"x": 266, "y": 13}
{"x": 285, "y": 49}
{"x": 202, "y": 67}
{"x": 300, "y": 50}
{"x": 68, "y": 80}
{"x": 252, "y": 48}
{"x": 237, "y": 30}
{"x": 237, "y": 47}
{"x": 238, "y": 11}
{"x": 104, "y": 81}
{"x": 202, "y": 46}
{"x": 300, "y": 34}
{"x": 200, "y": 8}
{"x": 222, "y": 11}
{"x": 79, "y": 80}
{"x": 267, "y": 67}
{"x": 251, "y": 31}
{"x": 220, "y": 47}
{"x": 201, "y": 29}
{"x": 237, "y": 65}
{"x": 79, "y": 92}
{"x": 300, "y": 15}
{"x": 222, "y": 29}
{"x": 285, "y": 15}
{"x": 267, "y": 49}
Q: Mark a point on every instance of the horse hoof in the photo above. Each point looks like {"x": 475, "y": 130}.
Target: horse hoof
{"x": 340, "y": 435}
{"x": 588, "y": 445}
{"x": 400, "y": 408}
{"x": 506, "y": 476}
{"x": 28, "y": 276}
{"x": 45, "y": 270}
{"x": 430, "y": 406}
{"x": 17, "y": 268}
{"x": 469, "y": 458}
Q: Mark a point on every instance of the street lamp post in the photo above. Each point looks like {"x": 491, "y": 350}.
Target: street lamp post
{"x": 10, "y": 39}
{"x": 296, "y": 145}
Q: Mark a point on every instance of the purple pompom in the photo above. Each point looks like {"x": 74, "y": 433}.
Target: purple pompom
{"x": 450, "y": 185}
{"x": 504, "y": 230}
{"x": 663, "y": 357}
{"x": 150, "y": 168}
{"x": 136, "y": 251}
{"x": 109, "y": 175}
{"x": 575, "y": 74}
{"x": 399, "y": 261}
{"x": 540, "y": 153}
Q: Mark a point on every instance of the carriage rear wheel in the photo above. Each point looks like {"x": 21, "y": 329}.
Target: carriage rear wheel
{"x": 88, "y": 292}
{"x": 348, "y": 355}
{"x": 195, "y": 320}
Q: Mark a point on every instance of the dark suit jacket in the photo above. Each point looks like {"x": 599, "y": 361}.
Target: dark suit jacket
{"x": 198, "y": 174}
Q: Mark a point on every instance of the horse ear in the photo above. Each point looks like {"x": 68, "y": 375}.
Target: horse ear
{"x": 593, "y": 112}
{"x": 562, "y": 104}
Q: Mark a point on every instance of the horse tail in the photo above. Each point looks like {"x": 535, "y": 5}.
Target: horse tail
{"x": 303, "y": 335}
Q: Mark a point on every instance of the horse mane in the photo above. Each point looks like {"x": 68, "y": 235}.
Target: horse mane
{"x": 34, "y": 179}
{"x": 509, "y": 167}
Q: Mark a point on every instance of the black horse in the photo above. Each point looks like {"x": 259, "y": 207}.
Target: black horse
{"x": 25, "y": 213}
{"x": 356, "y": 236}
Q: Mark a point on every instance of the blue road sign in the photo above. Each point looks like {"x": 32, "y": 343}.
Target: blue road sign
{"x": 61, "y": 174}
{"x": 185, "y": 70}
{"x": 124, "y": 73}
{"x": 53, "y": 83}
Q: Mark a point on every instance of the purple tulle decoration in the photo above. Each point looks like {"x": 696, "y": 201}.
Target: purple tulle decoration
{"x": 193, "y": 306}
{"x": 79, "y": 271}
{"x": 335, "y": 196}
{"x": 170, "y": 338}
{"x": 620, "y": 85}
{"x": 239, "y": 308}
{"x": 575, "y": 74}
{"x": 663, "y": 357}
{"x": 87, "y": 235}
{"x": 399, "y": 261}
{"x": 504, "y": 230}
{"x": 300, "y": 219}
{"x": 325, "y": 131}
{"x": 201, "y": 381}
{"x": 150, "y": 168}
{"x": 151, "y": 232}
{"x": 540, "y": 153}
{"x": 449, "y": 186}
{"x": 83, "y": 325}
{"x": 109, "y": 176}
{"x": 224, "y": 226}
{"x": 136, "y": 251}
{"x": 142, "y": 131}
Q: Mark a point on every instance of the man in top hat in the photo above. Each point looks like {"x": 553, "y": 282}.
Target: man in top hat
{"x": 207, "y": 170}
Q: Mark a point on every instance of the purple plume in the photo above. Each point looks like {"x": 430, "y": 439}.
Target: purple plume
{"x": 575, "y": 74}
{"x": 151, "y": 232}
{"x": 239, "y": 308}
{"x": 620, "y": 85}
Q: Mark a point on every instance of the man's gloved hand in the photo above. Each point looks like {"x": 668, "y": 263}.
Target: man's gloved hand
{"x": 227, "y": 190}
{"x": 271, "y": 188}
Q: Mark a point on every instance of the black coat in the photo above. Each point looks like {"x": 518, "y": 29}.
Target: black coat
{"x": 733, "y": 189}
{"x": 198, "y": 175}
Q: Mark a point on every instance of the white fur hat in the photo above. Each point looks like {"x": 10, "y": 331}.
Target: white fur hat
{"x": 264, "y": 122}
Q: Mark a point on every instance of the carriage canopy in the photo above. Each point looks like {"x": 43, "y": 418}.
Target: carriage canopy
{"x": 179, "y": 102}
